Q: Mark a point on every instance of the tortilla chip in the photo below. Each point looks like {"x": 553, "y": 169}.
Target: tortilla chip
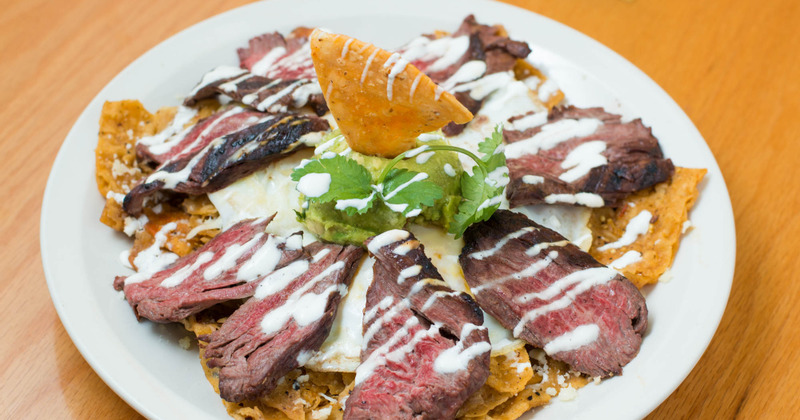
{"x": 380, "y": 102}
{"x": 510, "y": 372}
{"x": 551, "y": 378}
{"x": 669, "y": 203}
{"x": 117, "y": 170}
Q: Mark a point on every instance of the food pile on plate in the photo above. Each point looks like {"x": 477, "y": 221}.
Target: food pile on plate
{"x": 432, "y": 232}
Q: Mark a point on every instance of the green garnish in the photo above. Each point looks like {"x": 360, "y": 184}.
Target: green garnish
{"x": 406, "y": 191}
{"x": 349, "y": 180}
{"x": 482, "y": 191}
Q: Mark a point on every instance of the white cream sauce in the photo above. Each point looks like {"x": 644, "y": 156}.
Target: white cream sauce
{"x": 314, "y": 184}
{"x": 573, "y": 340}
{"x": 582, "y": 159}
{"x": 628, "y": 258}
{"x": 551, "y": 135}
{"x": 638, "y": 225}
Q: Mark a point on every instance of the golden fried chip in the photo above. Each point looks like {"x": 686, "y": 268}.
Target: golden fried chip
{"x": 480, "y": 403}
{"x": 510, "y": 372}
{"x": 117, "y": 170}
{"x": 380, "y": 101}
{"x": 121, "y": 123}
{"x": 551, "y": 378}
{"x": 669, "y": 203}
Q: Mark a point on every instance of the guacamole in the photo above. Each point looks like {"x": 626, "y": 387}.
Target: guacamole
{"x": 330, "y": 224}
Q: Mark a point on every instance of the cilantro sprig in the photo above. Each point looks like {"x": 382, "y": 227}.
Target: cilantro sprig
{"x": 407, "y": 192}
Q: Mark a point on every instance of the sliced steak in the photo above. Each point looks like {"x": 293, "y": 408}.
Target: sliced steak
{"x": 581, "y": 156}
{"x": 225, "y": 159}
{"x": 229, "y": 267}
{"x": 288, "y": 318}
{"x": 277, "y": 57}
{"x": 553, "y": 295}
{"x": 259, "y": 92}
{"x": 193, "y": 139}
{"x": 440, "y": 57}
{"x": 425, "y": 350}
{"x": 463, "y": 61}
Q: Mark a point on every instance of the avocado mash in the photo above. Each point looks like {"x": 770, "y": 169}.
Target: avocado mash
{"x": 443, "y": 168}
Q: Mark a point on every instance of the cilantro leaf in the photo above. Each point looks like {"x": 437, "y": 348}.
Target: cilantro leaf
{"x": 489, "y": 144}
{"x": 349, "y": 183}
{"x": 407, "y": 191}
{"x": 482, "y": 191}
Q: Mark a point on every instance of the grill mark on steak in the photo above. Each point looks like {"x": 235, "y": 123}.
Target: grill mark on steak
{"x": 548, "y": 292}
{"x": 289, "y": 316}
{"x": 633, "y": 159}
{"x": 227, "y": 158}
{"x": 182, "y": 289}
{"x": 425, "y": 350}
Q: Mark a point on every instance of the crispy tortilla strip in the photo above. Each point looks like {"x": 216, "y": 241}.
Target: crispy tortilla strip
{"x": 510, "y": 372}
{"x": 301, "y": 394}
{"x": 669, "y": 203}
{"x": 380, "y": 102}
{"x": 551, "y": 378}
{"x": 117, "y": 170}
{"x": 121, "y": 123}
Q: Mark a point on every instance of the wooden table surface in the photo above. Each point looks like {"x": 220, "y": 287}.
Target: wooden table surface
{"x": 732, "y": 65}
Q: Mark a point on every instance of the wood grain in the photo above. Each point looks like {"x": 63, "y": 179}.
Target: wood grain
{"x": 733, "y": 66}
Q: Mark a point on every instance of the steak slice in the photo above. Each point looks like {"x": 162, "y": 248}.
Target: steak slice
{"x": 553, "y": 295}
{"x": 229, "y": 267}
{"x": 225, "y": 159}
{"x": 440, "y": 57}
{"x": 277, "y": 57}
{"x": 425, "y": 350}
{"x": 193, "y": 139}
{"x": 581, "y": 156}
{"x": 288, "y": 318}
{"x": 459, "y": 61}
{"x": 259, "y": 92}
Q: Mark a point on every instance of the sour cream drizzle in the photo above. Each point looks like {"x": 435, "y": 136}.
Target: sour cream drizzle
{"x": 581, "y": 336}
{"x": 582, "y": 159}
{"x": 183, "y": 273}
{"x": 367, "y": 64}
{"x": 152, "y": 260}
{"x": 264, "y": 260}
{"x": 302, "y": 306}
{"x": 583, "y": 281}
{"x": 446, "y": 51}
{"x": 314, "y": 184}
{"x": 408, "y": 272}
{"x": 170, "y": 136}
{"x": 457, "y": 357}
{"x": 229, "y": 258}
{"x": 630, "y": 257}
{"x": 398, "y": 64}
{"x": 639, "y": 225}
{"x": 552, "y": 135}
{"x": 582, "y": 198}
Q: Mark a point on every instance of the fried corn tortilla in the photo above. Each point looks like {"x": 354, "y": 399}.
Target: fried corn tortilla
{"x": 380, "y": 101}
{"x": 669, "y": 203}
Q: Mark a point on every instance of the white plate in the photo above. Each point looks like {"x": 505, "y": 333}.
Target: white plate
{"x": 142, "y": 361}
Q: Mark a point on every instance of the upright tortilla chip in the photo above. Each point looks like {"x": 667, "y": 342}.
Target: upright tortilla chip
{"x": 380, "y": 101}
